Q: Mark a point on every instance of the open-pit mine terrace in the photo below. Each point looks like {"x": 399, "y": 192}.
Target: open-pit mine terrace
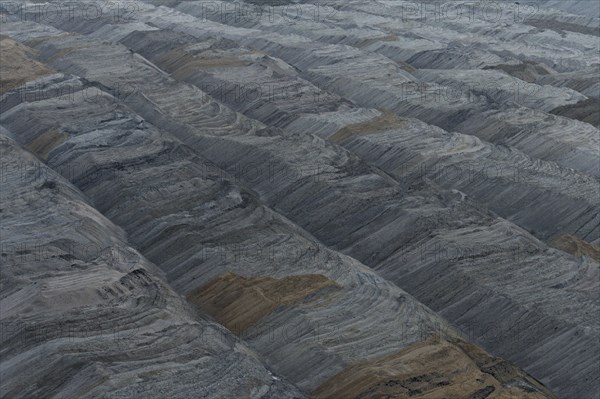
{"x": 334, "y": 199}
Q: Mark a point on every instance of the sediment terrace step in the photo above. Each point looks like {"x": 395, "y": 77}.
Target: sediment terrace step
{"x": 329, "y": 323}
{"x": 449, "y": 107}
{"x": 198, "y": 224}
{"x": 85, "y": 315}
{"x": 511, "y": 183}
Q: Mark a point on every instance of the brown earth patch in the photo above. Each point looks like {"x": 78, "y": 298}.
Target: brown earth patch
{"x": 387, "y": 38}
{"x": 385, "y": 121}
{"x": 433, "y": 369}
{"x": 18, "y": 65}
{"x": 575, "y": 246}
{"x": 46, "y": 142}
{"x": 61, "y": 53}
{"x": 181, "y": 64}
{"x": 238, "y": 302}
{"x": 406, "y": 66}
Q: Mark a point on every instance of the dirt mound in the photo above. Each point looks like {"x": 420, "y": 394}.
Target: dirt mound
{"x": 433, "y": 369}
{"x": 238, "y": 302}
{"x": 17, "y": 65}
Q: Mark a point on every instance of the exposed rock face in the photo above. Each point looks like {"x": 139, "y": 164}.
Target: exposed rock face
{"x": 330, "y": 190}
